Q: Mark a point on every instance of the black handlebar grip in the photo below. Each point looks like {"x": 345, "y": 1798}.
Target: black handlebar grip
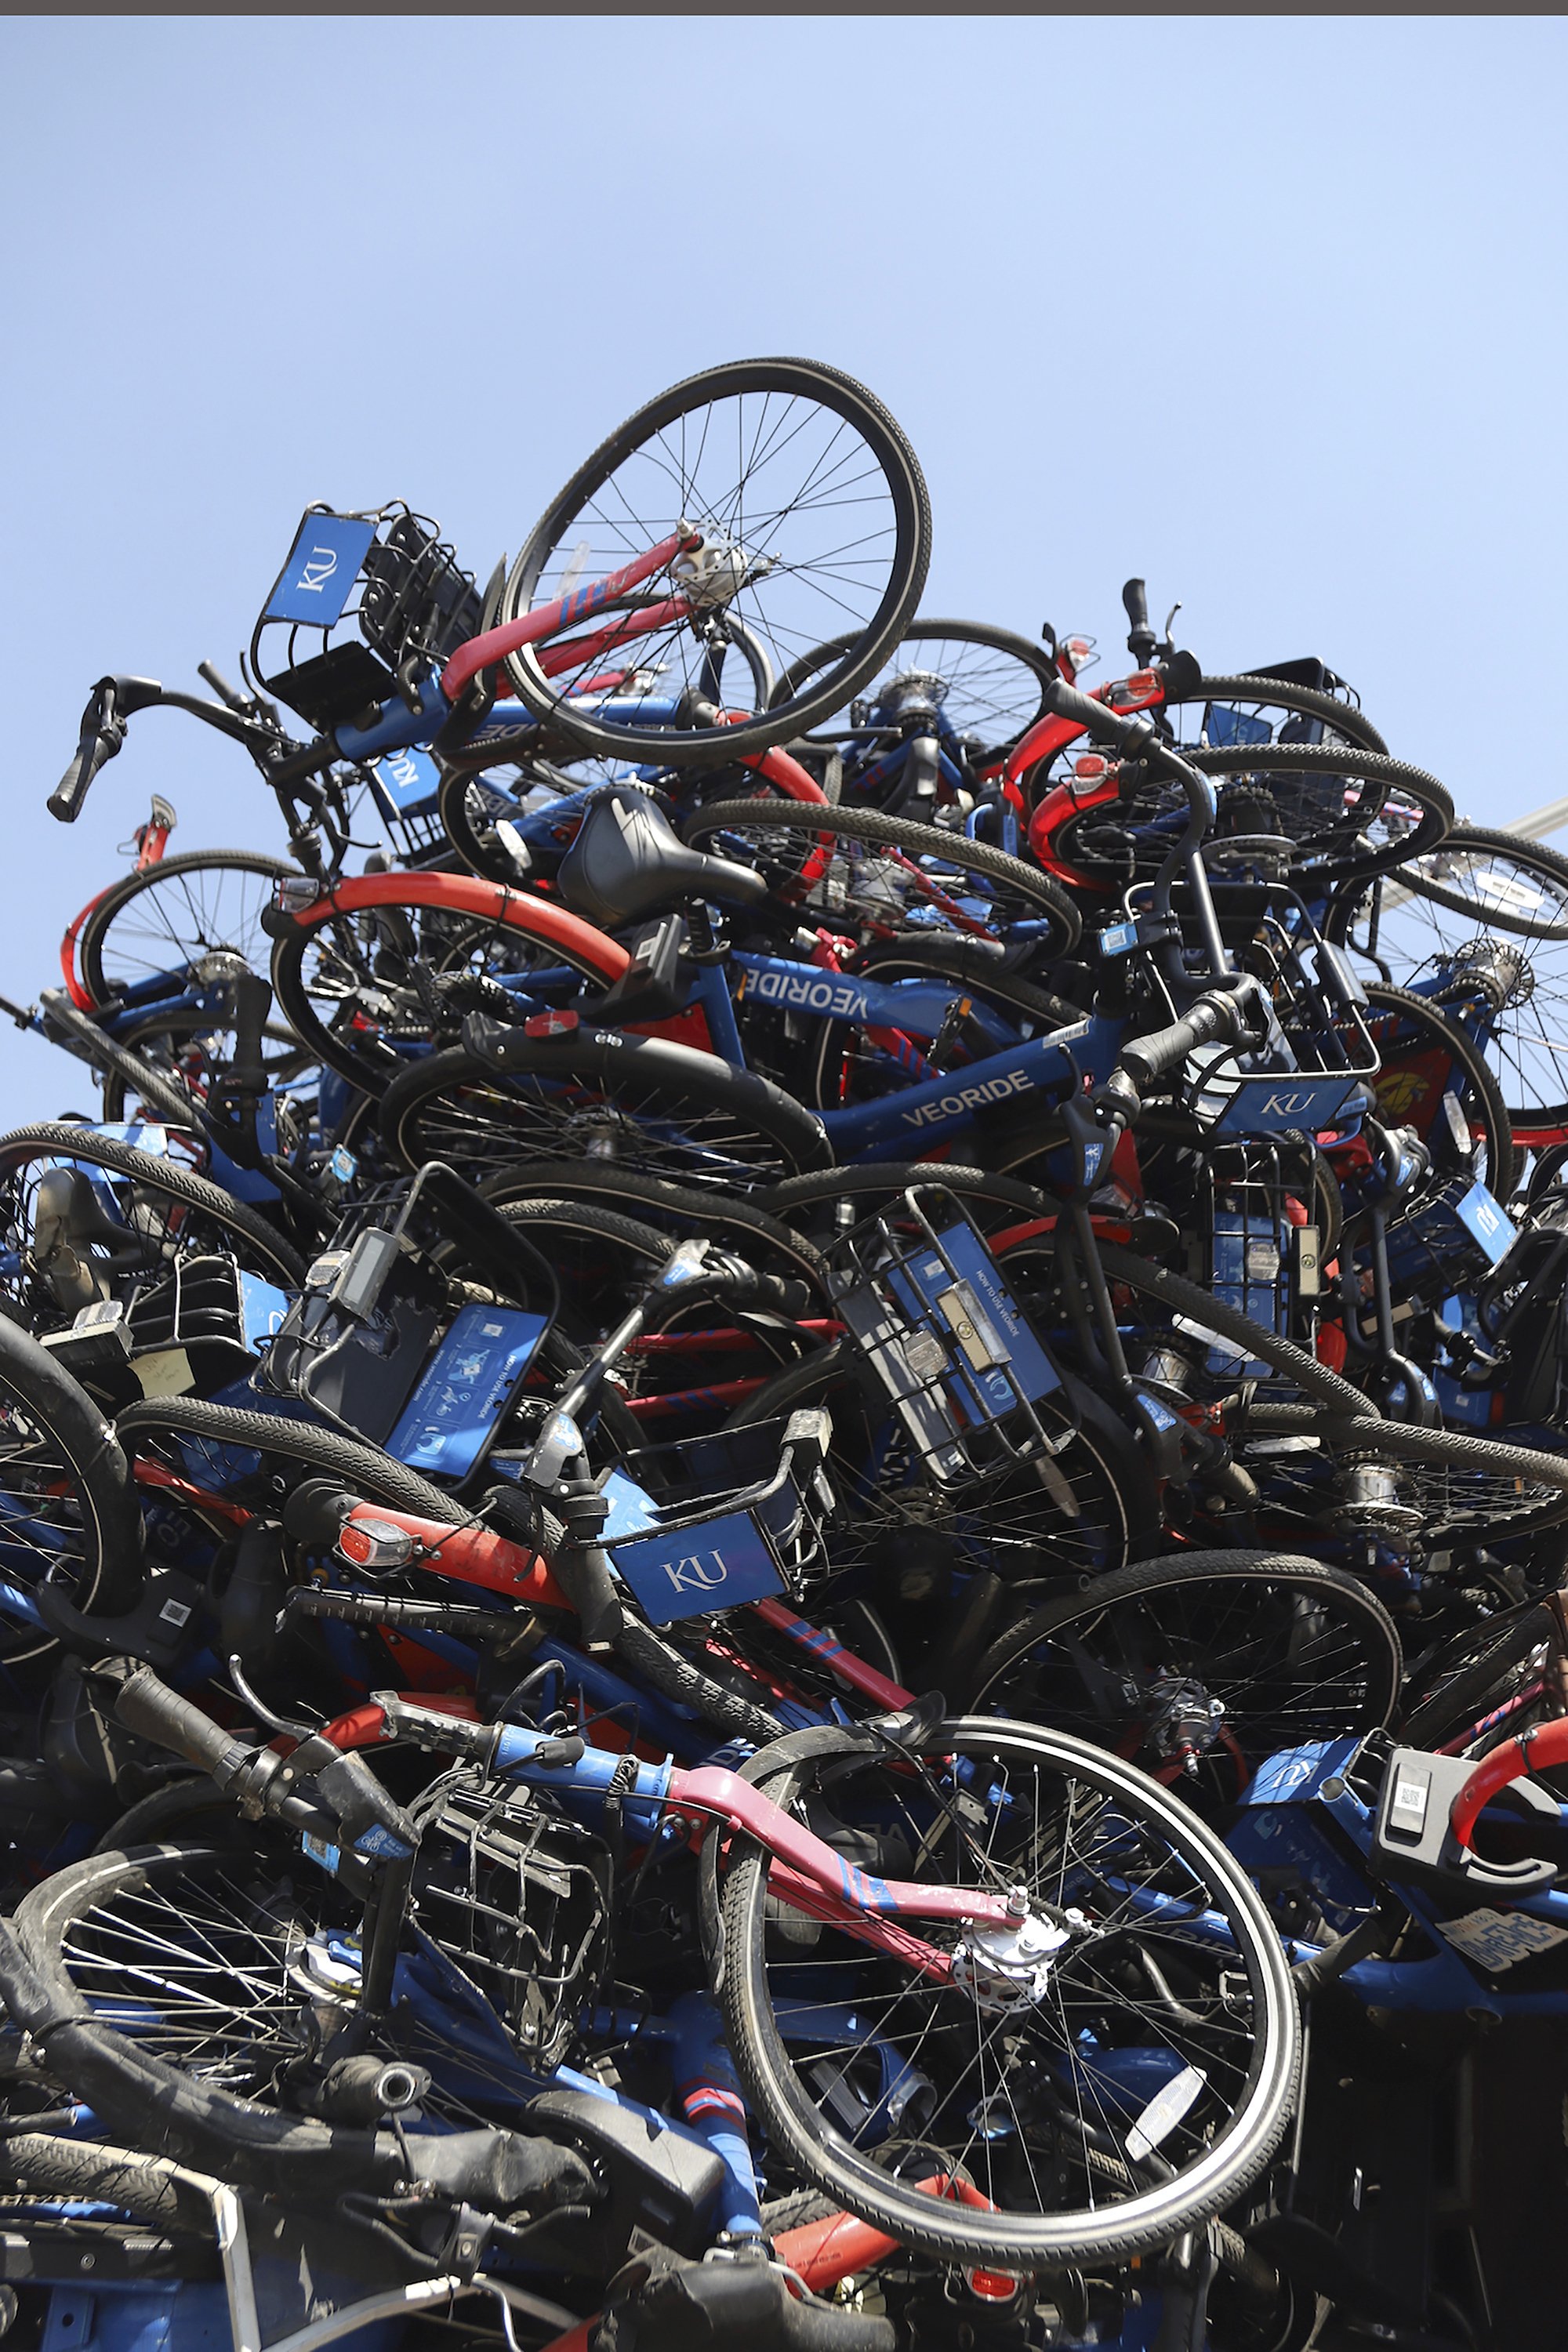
{"x": 101, "y": 735}
{"x": 252, "y": 998}
{"x": 145, "y": 1704}
{"x": 222, "y": 688}
{"x": 1105, "y": 726}
{"x": 1147, "y": 1059}
{"x": 1140, "y": 637}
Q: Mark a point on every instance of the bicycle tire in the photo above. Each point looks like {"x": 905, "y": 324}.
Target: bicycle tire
{"x": 953, "y": 2231}
{"x": 825, "y": 387}
{"x": 1031, "y": 658}
{"x": 97, "y": 1482}
{"x": 1502, "y": 1157}
{"x": 1186, "y": 1575}
{"x": 1305, "y": 701}
{"x": 635, "y": 1197}
{"x": 1450, "y": 1690}
{"x": 250, "y": 1232}
{"x": 153, "y": 2103}
{"x": 490, "y": 1100}
{"x": 488, "y": 910}
{"x": 94, "y": 936}
{"x": 1396, "y": 776}
{"x": 1442, "y": 1449}
{"x": 1523, "y": 852}
{"x": 1039, "y": 889}
{"x": 320, "y": 1450}
{"x": 1523, "y": 1051}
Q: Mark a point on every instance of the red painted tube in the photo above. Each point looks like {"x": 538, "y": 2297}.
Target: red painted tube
{"x": 1535, "y": 1750}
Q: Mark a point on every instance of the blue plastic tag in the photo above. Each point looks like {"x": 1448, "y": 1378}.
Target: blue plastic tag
{"x": 692, "y": 1572}
{"x": 323, "y": 564}
{"x": 409, "y": 781}
{"x": 1118, "y": 938}
{"x": 1488, "y": 1222}
{"x": 343, "y": 1164}
{"x": 465, "y": 1386}
{"x": 262, "y": 1307}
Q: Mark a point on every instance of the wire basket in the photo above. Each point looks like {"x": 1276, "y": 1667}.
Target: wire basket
{"x": 925, "y": 1304}
{"x": 386, "y": 574}
{"x": 706, "y": 1524}
{"x": 1259, "y": 1251}
{"x": 519, "y": 1900}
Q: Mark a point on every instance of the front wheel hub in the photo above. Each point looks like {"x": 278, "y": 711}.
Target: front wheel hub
{"x": 1008, "y": 1965}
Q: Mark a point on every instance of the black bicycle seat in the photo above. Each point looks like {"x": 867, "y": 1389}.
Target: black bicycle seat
{"x": 629, "y": 861}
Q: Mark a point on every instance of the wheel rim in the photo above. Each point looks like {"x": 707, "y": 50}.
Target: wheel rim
{"x": 778, "y": 468}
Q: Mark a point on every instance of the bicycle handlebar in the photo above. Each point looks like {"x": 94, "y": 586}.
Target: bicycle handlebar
{"x": 102, "y": 733}
{"x": 1140, "y": 637}
{"x": 145, "y": 1704}
{"x": 1149, "y": 1057}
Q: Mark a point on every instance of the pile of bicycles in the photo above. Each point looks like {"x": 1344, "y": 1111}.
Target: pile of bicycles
{"x": 781, "y": 1515}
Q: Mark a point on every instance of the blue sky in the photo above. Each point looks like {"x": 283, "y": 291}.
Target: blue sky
{"x": 1269, "y": 311}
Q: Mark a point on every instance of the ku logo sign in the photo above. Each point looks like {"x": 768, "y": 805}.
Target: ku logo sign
{"x": 318, "y": 568}
{"x": 1285, "y": 1105}
{"x": 701, "y": 1574}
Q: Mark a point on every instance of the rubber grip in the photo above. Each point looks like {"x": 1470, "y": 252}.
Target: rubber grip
{"x": 146, "y": 1705}
{"x": 1105, "y": 726}
{"x": 1147, "y": 1059}
{"x": 101, "y": 736}
{"x": 252, "y": 997}
{"x": 1135, "y": 602}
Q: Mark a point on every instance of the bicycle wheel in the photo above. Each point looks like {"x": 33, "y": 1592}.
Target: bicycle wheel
{"x": 257, "y": 1458}
{"x": 1334, "y": 814}
{"x": 1450, "y": 1489}
{"x": 813, "y": 512}
{"x": 1426, "y": 1056}
{"x": 979, "y": 688}
{"x": 880, "y": 874}
{"x": 1451, "y": 1690}
{"x": 384, "y": 964}
{"x": 1200, "y": 1666}
{"x": 69, "y": 1513}
{"x": 1483, "y": 918}
{"x": 172, "y": 915}
{"x": 676, "y": 1211}
{"x": 640, "y": 1102}
{"x": 132, "y": 1219}
{"x": 1128, "y": 2085}
{"x": 188, "y": 1049}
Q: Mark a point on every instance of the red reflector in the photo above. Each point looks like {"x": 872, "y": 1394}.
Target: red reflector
{"x": 376, "y": 1543}
{"x": 993, "y": 2286}
{"x": 1089, "y": 768}
{"x": 549, "y": 1025}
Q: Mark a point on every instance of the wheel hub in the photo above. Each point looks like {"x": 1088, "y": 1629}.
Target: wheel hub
{"x": 1007, "y": 1965}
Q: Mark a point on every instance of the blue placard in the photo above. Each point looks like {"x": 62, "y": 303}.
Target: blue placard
{"x": 1488, "y": 1222}
{"x": 409, "y": 780}
{"x": 692, "y": 1572}
{"x": 465, "y": 1385}
{"x": 323, "y": 564}
{"x": 1293, "y": 1102}
{"x": 1028, "y": 1371}
{"x": 1118, "y": 938}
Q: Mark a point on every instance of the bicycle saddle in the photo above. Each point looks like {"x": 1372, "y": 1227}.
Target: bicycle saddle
{"x": 628, "y": 861}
